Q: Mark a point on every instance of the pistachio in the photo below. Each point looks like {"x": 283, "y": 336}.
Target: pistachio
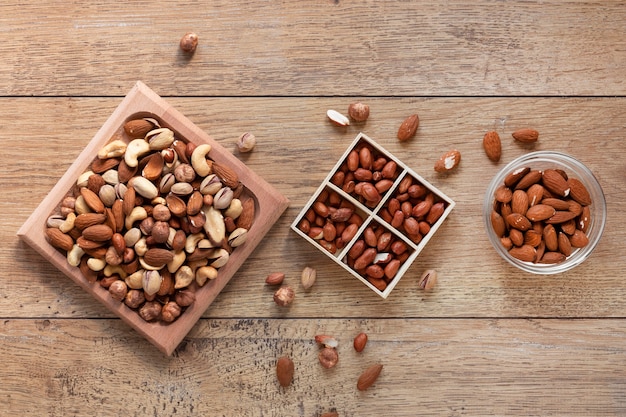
{"x": 222, "y": 199}
{"x": 428, "y": 280}
{"x": 107, "y": 194}
{"x": 159, "y": 139}
{"x": 237, "y": 237}
{"x": 144, "y": 187}
{"x": 210, "y": 185}
{"x": 165, "y": 185}
{"x": 246, "y": 142}
{"x": 151, "y": 282}
{"x": 111, "y": 177}
{"x": 220, "y": 257}
{"x": 181, "y": 189}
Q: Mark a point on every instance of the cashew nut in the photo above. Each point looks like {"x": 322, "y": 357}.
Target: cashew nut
{"x": 205, "y": 273}
{"x": 141, "y": 247}
{"x": 74, "y": 255}
{"x": 109, "y": 270}
{"x": 96, "y": 264}
{"x": 134, "y": 150}
{"x": 234, "y": 209}
{"x": 138, "y": 213}
{"x": 149, "y": 267}
{"x": 192, "y": 241}
{"x": 112, "y": 149}
{"x": 68, "y": 224}
{"x": 177, "y": 261}
{"x": 198, "y": 160}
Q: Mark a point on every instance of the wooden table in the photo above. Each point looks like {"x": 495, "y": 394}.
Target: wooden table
{"x": 489, "y": 340}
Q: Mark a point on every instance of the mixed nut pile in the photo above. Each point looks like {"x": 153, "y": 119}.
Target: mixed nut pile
{"x": 152, "y": 219}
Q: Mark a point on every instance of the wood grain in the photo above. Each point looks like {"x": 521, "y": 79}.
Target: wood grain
{"x": 346, "y": 47}
{"x": 227, "y": 367}
{"x": 488, "y": 340}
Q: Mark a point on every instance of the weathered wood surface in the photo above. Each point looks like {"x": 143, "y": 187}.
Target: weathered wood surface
{"x": 488, "y": 340}
{"x": 315, "y": 48}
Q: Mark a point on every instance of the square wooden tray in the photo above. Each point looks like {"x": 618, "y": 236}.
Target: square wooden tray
{"x": 372, "y": 215}
{"x": 141, "y": 101}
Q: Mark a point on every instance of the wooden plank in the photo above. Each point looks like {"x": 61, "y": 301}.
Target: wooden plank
{"x": 295, "y": 150}
{"x": 469, "y": 367}
{"x": 324, "y": 48}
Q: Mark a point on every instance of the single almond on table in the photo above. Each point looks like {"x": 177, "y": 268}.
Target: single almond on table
{"x": 284, "y": 371}
{"x": 360, "y": 340}
{"x": 526, "y": 135}
{"x": 408, "y": 128}
{"x": 275, "y": 278}
{"x": 369, "y": 377}
{"x": 448, "y": 161}
{"x": 492, "y": 145}
{"x": 337, "y": 118}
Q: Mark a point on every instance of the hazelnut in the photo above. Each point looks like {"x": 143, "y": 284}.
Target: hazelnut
{"x": 134, "y": 298}
{"x": 246, "y": 142}
{"x": 150, "y": 310}
{"x": 359, "y": 112}
{"x": 184, "y": 173}
{"x": 328, "y": 357}
{"x": 189, "y": 42}
{"x": 284, "y": 296}
{"x": 160, "y": 232}
{"x": 118, "y": 290}
{"x": 185, "y": 297}
{"x": 170, "y": 311}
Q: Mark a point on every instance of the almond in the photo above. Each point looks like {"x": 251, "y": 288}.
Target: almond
{"x": 448, "y": 161}
{"x": 195, "y": 203}
{"x": 497, "y": 222}
{"x": 518, "y": 221}
{"x": 228, "y": 176}
{"x": 530, "y": 178}
{"x": 284, "y": 371}
{"x": 360, "y": 340}
{"x": 92, "y": 200}
{"x": 555, "y": 183}
{"x": 246, "y": 218}
{"x": 158, "y": 257}
{"x": 519, "y": 202}
{"x": 369, "y": 377}
{"x": 579, "y": 192}
{"x": 337, "y": 118}
{"x": 98, "y": 233}
{"x": 535, "y": 194}
{"x": 579, "y": 239}
{"x": 138, "y": 128}
{"x": 511, "y": 179}
{"x": 85, "y": 220}
{"x": 552, "y": 258}
{"x": 87, "y": 244}
{"x": 560, "y": 217}
{"x": 565, "y": 246}
{"x": 408, "y": 128}
{"x": 99, "y": 166}
{"x": 532, "y": 238}
{"x": 58, "y": 239}
{"x": 524, "y": 253}
{"x": 540, "y": 212}
{"x": 275, "y": 278}
{"x": 154, "y": 166}
{"x": 176, "y": 205}
{"x": 526, "y": 135}
{"x": 503, "y": 194}
{"x": 557, "y": 203}
{"x": 492, "y": 145}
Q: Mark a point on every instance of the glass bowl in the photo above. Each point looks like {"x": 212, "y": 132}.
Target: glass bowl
{"x": 541, "y": 161}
